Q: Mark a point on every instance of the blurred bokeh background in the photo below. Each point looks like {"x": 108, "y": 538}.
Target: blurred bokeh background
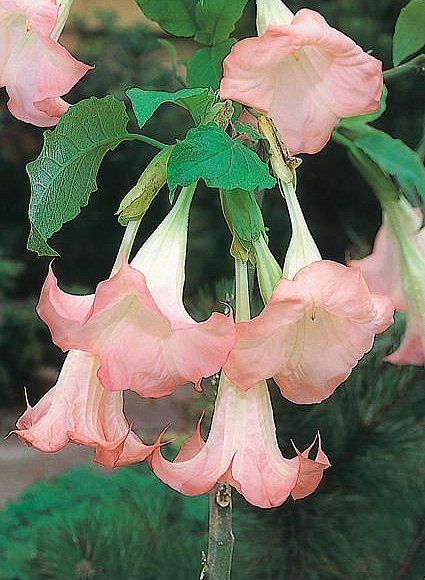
{"x": 367, "y": 521}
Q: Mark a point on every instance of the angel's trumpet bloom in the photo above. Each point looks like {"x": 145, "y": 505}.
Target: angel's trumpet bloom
{"x": 242, "y": 450}
{"x": 35, "y": 69}
{"x": 396, "y": 268}
{"x": 311, "y": 333}
{"x": 319, "y": 321}
{"x": 301, "y": 73}
{"x": 79, "y": 410}
{"x": 136, "y": 323}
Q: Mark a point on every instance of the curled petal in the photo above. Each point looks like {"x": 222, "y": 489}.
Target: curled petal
{"x": 340, "y": 317}
{"x": 412, "y": 348}
{"x": 138, "y": 346}
{"x": 311, "y": 470}
{"x": 79, "y": 410}
{"x": 262, "y": 341}
{"x": 35, "y": 69}
{"x": 381, "y": 269}
{"x": 242, "y": 449}
{"x": 305, "y": 76}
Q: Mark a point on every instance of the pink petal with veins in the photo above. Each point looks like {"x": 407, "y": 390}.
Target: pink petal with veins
{"x": 305, "y": 76}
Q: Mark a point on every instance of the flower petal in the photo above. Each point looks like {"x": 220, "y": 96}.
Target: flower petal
{"x": 139, "y": 348}
{"x": 262, "y": 341}
{"x": 37, "y": 70}
{"x": 305, "y": 76}
{"x": 412, "y": 348}
{"x": 339, "y": 317}
{"x": 311, "y": 470}
{"x": 381, "y": 269}
{"x": 242, "y": 449}
{"x": 78, "y": 409}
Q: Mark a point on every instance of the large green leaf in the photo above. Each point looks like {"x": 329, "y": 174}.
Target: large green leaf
{"x": 197, "y": 101}
{"x": 208, "y": 153}
{"x": 64, "y": 174}
{"x": 216, "y": 19}
{"x": 174, "y": 16}
{"x": 393, "y": 156}
{"x": 409, "y": 34}
{"x": 205, "y": 68}
{"x": 209, "y": 21}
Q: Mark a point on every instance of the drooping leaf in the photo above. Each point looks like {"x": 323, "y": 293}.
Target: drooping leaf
{"x": 208, "y": 153}
{"x": 205, "y": 68}
{"x": 370, "y": 117}
{"x": 64, "y": 174}
{"x": 209, "y": 21}
{"x": 138, "y": 200}
{"x": 197, "y": 101}
{"x": 409, "y": 34}
{"x": 393, "y": 156}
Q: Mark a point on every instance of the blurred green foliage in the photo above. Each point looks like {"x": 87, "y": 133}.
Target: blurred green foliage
{"x": 89, "y": 523}
{"x": 22, "y": 340}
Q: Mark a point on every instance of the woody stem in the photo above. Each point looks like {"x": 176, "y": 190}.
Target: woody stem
{"x": 221, "y": 539}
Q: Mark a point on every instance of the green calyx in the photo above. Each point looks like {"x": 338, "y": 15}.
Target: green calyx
{"x": 245, "y": 221}
{"x": 138, "y": 200}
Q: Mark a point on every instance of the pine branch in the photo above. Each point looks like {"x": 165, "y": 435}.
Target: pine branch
{"x": 412, "y": 551}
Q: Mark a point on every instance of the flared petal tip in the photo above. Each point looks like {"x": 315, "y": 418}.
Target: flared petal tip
{"x": 310, "y": 470}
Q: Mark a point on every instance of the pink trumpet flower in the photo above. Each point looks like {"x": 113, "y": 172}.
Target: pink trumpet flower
{"x": 35, "y": 69}
{"x": 319, "y": 319}
{"x": 303, "y": 74}
{"x": 396, "y": 268}
{"x": 79, "y": 410}
{"x": 242, "y": 450}
{"x": 136, "y": 323}
{"x": 311, "y": 333}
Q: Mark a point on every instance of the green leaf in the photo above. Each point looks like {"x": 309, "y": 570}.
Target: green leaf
{"x": 64, "y": 174}
{"x": 205, "y": 68}
{"x": 216, "y": 19}
{"x": 37, "y": 243}
{"x": 209, "y": 21}
{"x": 208, "y": 153}
{"x": 349, "y": 122}
{"x": 393, "y": 156}
{"x": 138, "y": 200}
{"x": 409, "y": 34}
{"x": 197, "y": 101}
{"x": 174, "y": 16}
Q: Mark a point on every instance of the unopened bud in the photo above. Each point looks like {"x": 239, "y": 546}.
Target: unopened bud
{"x": 138, "y": 200}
